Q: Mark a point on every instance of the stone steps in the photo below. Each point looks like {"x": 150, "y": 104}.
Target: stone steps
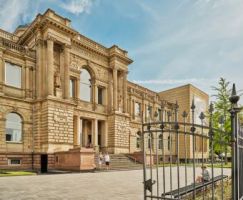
{"x": 121, "y": 162}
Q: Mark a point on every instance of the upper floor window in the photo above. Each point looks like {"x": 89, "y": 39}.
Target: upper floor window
{"x": 12, "y": 75}
{"x": 13, "y": 127}
{"x": 100, "y": 95}
{"x": 149, "y": 113}
{"x": 72, "y": 88}
{"x": 85, "y": 85}
{"x": 137, "y": 109}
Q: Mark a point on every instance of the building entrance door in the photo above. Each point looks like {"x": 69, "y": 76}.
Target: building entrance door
{"x": 44, "y": 163}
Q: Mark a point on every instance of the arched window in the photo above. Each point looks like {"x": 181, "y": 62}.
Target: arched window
{"x": 13, "y": 127}
{"x": 85, "y": 85}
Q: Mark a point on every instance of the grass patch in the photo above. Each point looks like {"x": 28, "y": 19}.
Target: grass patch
{"x": 4, "y": 173}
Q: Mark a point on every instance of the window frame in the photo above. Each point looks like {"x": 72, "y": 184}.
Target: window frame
{"x": 5, "y": 74}
{"x": 102, "y": 89}
{"x": 21, "y": 129}
{"x": 72, "y": 93}
{"x": 90, "y": 85}
{"x": 14, "y": 159}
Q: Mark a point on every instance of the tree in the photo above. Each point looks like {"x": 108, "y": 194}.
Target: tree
{"x": 222, "y": 106}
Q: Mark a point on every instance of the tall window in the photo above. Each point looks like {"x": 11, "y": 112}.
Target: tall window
{"x": 85, "y": 85}
{"x": 100, "y": 95}
{"x": 137, "y": 109}
{"x": 12, "y": 75}
{"x": 149, "y": 113}
{"x": 72, "y": 88}
{"x": 13, "y": 127}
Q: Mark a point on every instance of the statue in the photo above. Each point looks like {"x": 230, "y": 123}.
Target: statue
{"x": 57, "y": 80}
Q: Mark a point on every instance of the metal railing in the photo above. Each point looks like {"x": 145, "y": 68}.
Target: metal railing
{"x": 179, "y": 160}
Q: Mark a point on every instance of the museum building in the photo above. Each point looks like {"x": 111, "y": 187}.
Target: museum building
{"x": 65, "y": 97}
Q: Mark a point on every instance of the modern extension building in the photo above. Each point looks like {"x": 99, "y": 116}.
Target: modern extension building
{"x": 64, "y": 97}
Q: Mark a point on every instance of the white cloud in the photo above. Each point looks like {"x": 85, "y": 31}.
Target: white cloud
{"x": 13, "y": 13}
{"x": 77, "y": 6}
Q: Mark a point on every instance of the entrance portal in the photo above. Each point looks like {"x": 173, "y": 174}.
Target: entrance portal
{"x": 44, "y": 163}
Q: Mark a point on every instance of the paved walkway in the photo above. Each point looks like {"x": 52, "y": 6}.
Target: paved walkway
{"x": 115, "y": 185}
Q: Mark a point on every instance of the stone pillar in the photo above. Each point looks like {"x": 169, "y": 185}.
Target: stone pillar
{"x": 66, "y": 71}
{"x": 115, "y": 89}
{"x": 1, "y": 71}
{"x": 27, "y": 81}
{"x": 50, "y": 67}
{"x": 38, "y": 72}
{"x": 106, "y": 134}
{"x": 94, "y": 88}
{"x": 125, "y": 92}
{"x": 77, "y": 87}
{"x": 80, "y": 131}
{"x": 95, "y": 134}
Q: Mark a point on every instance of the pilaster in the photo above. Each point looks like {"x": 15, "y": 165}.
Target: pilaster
{"x": 115, "y": 88}
{"x": 50, "y": 67}
{"x": 125, "y": 91}
{"x": 1, "y": 71}
{"x": 66, "y": 71}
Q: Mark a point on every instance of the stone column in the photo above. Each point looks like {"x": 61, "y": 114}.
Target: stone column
{"x": 80, "y": 131}
{"x": 1, "y": 71}
{"x": 50, "y": 67}
{"x": 38, "y": 72}
{"x": 94, "y": 88}
{"x": 23, "y": 80}
{"x": 95, "y": 133}
{"x": 27, "y": 81}
{"x": 125, "y": 92}
{"x": 77, "y": 87}
{"x": 66, "y": 71}
{"x": 115, "y": 89}
{"x": 106, "y": 134}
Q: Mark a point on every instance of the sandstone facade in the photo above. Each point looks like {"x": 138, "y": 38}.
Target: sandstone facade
{"x": 48, "y": 57}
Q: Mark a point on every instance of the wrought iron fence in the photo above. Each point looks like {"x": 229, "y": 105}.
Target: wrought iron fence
{"x": 179, "y": 160}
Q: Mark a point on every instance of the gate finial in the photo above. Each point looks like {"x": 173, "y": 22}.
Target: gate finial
{"x": 234, "y": 98}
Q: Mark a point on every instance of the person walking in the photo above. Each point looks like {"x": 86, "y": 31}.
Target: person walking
{"x": 107, "y": 160}
{"x": 100, "y": 160}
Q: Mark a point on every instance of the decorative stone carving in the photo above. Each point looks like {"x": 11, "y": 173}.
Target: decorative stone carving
{"x": 57, "y": 79}
{"x": 60, "y": 118}
{"x": 76, "y": 62}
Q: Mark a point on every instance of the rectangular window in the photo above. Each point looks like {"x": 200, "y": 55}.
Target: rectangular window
{"x": 100, "y": 95}
{"x": 72, "y": 88}
{"x": 137, "y": 109}
{"x": 149, "y": 113}
{"x": 14, "y": 161}
{"x": 12, "y": 75}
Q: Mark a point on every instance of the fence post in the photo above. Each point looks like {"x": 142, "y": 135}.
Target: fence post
{"x": 234, "y": 98}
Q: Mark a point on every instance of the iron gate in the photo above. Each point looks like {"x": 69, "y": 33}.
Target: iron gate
{"x": 175, "y": 153}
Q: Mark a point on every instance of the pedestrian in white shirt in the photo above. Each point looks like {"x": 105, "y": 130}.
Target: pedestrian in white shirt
{"x": 107, "y": 160}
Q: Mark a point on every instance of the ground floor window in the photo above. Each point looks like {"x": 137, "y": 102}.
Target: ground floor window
{"x": 14, "y": 161}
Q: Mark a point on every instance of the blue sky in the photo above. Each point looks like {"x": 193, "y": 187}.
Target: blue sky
{"x": 172, "y": 42}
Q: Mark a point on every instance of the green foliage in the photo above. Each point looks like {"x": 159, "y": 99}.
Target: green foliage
{"x": 221, "y": 110}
